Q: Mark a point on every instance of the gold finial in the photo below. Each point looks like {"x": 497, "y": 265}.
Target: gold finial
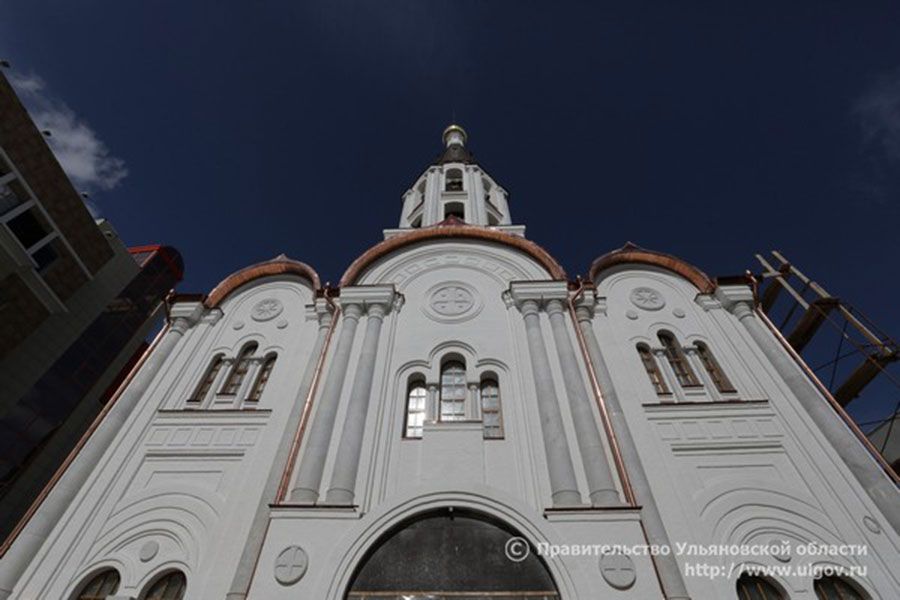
{"x": 454, "y": 134}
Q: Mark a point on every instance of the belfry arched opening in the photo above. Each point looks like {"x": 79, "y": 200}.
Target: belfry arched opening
{"x": 450, "y": 554}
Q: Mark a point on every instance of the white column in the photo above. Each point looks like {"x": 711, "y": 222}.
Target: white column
{"x": 563, "y": 485}
{"x": 601, "y": 487}
{"x": 312, "y": 463}
{"x": 666, "y": 566}
{"x": 473, "y": 410}
{"x": 32, "y": 536}
{"x": 739, "y": 301}
{"x": 434, "y": 409}
{"x": 346, "y": 466}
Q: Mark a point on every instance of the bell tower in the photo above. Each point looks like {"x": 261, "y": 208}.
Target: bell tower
{"x": 455, "y": 188}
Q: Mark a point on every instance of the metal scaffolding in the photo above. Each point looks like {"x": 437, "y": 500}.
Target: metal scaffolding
{"x": 848, "y": 358}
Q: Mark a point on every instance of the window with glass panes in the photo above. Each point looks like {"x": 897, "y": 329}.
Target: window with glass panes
{"x": 490, "y": 409}
{"x": 102, "y": 585}
{"x": 678, "y": 361}
{"x": 453, "y": 391}
{"x": 713, "y": 369}
{"x": 208, "y": 379}
{"x": 415, "y": 410}
{"x": 239, "y": 371}
{"x": 168, "y": 587}
{"x": 653, "y": 372}
{"x": 265, "y": 372}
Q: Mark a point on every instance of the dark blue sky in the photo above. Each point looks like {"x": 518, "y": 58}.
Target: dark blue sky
{"x": 709, "y": 130}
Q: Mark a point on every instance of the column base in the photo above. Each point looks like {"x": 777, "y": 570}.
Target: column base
{"x": 338, "y": 497}
{"x": 304, "y": 496}
{"x": 567, "y": 498}
{"x": 602, "y": 498}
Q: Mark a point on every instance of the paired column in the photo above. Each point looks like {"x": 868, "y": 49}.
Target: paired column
{"x": 306, "y": 490}
{"x": 666, "y": 565}
{"x": 29, "y": 541}
{"x": 601, "y": 486}
{"x": 739, "y": 301}
{"x": 563, "y": 485}
{"x": 374, "y": 301}
{"x": 346, "y": 466}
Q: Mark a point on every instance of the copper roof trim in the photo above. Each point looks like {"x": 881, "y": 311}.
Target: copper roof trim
{"x": 631, "y": 253}
{"x": 277, "y": 266}
{"x": 457, "y": 231}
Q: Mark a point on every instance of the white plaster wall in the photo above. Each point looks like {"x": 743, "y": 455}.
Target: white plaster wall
{"x": 189, "y": 480}
{"x": 749, "y": 471}
{"x": 452, "y": 465}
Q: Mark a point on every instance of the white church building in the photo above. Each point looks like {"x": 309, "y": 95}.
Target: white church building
{"x": 459, "y": 420}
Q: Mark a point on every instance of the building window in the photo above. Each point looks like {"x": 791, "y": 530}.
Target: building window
{"x": 208, "y": 379}
{"x": 490, "y": 409}
{"x": 416, "y": 400}
{"x": 105, "y": 583}
{"x": 835, "y": 588}
{"x": 12, "y": 194}
{"x": 653, "y": 372}
{"x": 712, "y": 367}
{"x": 239, "y": 371}
{"x": 678, "y": 361}
{"x": 265, "y": 372}
{"x": 453, "y": 391}
{"x": 756, "y": 588}
{"x": 28, "y": 228}
{"x": 167, "y": 587}
{"x": 454, "y": 181}
{"x": 455, "y": 209}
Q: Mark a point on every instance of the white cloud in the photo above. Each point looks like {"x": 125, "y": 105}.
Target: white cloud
{"x": 83, "y": 156}
{"x": 879, "y": 114}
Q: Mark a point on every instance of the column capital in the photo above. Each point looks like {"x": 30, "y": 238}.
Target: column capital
{"x": 585, "y": 305}
{"x": 555, "y": 306}
{"x": 184, "y": 315}
{"x": 537, "y": 292}
{"x": 368, "y": 297}
{"x": 737, "y": 299}
{"x": 529, "y": 307}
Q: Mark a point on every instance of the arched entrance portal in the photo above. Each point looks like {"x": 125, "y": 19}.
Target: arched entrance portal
{"x": 450, "y": 555}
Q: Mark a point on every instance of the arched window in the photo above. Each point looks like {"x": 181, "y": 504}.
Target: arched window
{"x": 103, "y": 584}
{"x": 712, "y": 367}
{"x": 168, "y": 587}
{"x": 491, "y": 416}
{"x": 239, "y": 371}
{"x": 653, "y": 372}
{"x": 208, "y": 379}
{"x": 416, "y": 398}
{"x": 265, "y": 372}
{"x": 453, "y": 391}
{"x": 678, "y": 360}
{"x": 454, "y": 180}
{"x": 835, "y": 588}
{"x": 455, "y": 209}
{"x": 756, "y": 588}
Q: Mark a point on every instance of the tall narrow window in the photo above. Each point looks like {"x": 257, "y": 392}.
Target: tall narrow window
{"x": 678, "y": 360}
{"x": 756, "y": 588}
{"x": 835, "y": 588}
{"x": 168, "y": 587}
{"x": 712, "y": 367}
{"x": 265, "y": 372}
{"x": 453, "y": 391}
{"x": 454, "y": 180}
{"x": 239, "y": 371}
{"x": 105, "y": 583}
{"x": 416, "y": 399}
{"x": 208, "y": 379}
{"x": 455, "y": 209}
{"x": 653, "y": 372}
{"x": 490, "y": 409}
